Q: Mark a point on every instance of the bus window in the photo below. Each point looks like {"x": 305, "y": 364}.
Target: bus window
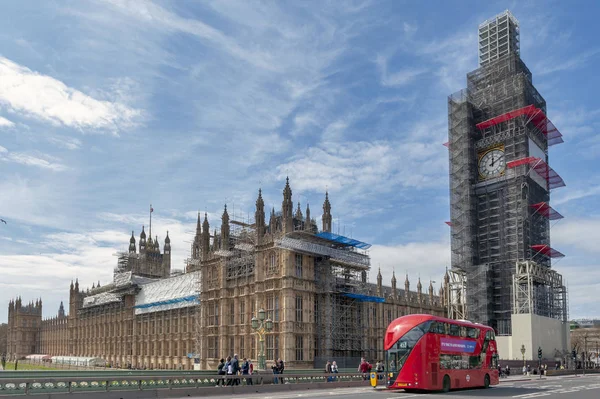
{"x": 454, "y": 330}
{"x": 494, "y": 363}
{"x": 437, "y": 328}
{"x": 441, "y": 328}
{"x": 474, "y": 362}
{"x": 401, "y": 349}
{"x": 391, "y": 362}
{"x": 492, "y": 336}
{"x": 445, "y": 362}
{"x": 463, "y": 331}
{"x": 433, "y": 328}
{"x": 472, "y": 332}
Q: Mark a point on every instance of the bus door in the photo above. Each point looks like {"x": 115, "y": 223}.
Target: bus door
{"x": 397, "y": 355}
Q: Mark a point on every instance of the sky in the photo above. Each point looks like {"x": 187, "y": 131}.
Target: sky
{"x": 109, "y": 106}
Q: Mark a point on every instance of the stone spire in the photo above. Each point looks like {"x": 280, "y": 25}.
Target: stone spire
{"x": 197, "y": 244}
{"x": 327, "y": 214}
{"x": 406, "y": 287}
{"x": 205, "y": 237}
{"x": 167, "y": 247}
{"x": 430, "y": 292}
{"x": 307, "y": 222}
{"x": 419, "y": 289}
{"x": 259, "y": 217}
{"x": 299, "y": 215}
{"x": 287, "y": 208}
{"x": 132, "y": 243}
{"x": 142, "y": 241}
{"x": 379, "y": 282}
{"x": 273, "y": 221}
{"x": 394, "y": 283}
{"x": 61, "y": 310}
{"x": 225, "y": 229}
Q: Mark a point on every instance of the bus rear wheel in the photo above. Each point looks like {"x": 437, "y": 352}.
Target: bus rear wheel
{"x": 446, "y": 384}
{"x": 486, "y": 381}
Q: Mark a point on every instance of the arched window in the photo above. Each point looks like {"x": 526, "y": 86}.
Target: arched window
{"x": 272, "y": 266}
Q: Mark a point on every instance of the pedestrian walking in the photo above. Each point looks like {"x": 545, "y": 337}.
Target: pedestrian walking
{"x": 221, "y": 371}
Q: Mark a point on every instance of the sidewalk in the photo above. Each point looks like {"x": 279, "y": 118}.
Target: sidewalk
{"x": 521, "y": 377}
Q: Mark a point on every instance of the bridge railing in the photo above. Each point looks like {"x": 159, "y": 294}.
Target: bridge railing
{"x": 102, "y": 383}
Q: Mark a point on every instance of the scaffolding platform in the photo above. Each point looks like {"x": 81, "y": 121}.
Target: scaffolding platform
{"x": 541, "y": 168}
{"x": 547, "y": 251}
{"x": 546, "y": 210}
{"x": 534, "y": 115}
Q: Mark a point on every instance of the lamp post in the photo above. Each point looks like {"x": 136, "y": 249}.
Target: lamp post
{"x": 584, "y": 352}
{"x": 523, "y": 353}
{"x": 261, "y": 325}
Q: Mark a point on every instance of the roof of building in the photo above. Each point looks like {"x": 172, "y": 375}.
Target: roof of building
{"x": 172, "y": 293}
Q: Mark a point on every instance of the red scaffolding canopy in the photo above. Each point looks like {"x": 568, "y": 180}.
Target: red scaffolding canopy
{"x": 536, "y": 117}
{"x": 546, "y": 250}
{"x": 541, "y": 168}
{"x": 546, "y": 210}
{"x": 449, "y": 223}
{"x": 446, "y": 144}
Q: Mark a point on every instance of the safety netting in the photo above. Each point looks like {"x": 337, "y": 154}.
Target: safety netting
{"x": 171, "y": 293}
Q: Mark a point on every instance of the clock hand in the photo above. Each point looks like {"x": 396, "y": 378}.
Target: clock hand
{"x": 493, "y": 160}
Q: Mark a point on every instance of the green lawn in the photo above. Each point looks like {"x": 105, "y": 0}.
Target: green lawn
{"x": 10, "y": 366}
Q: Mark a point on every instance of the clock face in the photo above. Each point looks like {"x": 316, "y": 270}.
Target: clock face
{"x": 492, "y": 164}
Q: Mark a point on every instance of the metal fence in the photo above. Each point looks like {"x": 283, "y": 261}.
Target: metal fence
{"x": 172, "y": 384}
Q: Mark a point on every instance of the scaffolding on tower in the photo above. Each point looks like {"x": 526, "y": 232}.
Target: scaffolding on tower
{"x": 495, "y": 221}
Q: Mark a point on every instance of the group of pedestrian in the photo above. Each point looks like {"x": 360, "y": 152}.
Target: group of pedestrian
{"x": 231, "y": 367}
{"x": 278, "y": 366}
{"x": 331, "y": 368}
{"x": 503, "y": 372}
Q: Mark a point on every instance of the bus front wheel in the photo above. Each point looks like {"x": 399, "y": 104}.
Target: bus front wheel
{"x": 486, "y": 381}
{"x": 446, "y": 384}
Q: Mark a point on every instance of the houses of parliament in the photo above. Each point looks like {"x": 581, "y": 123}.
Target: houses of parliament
{"x": 311, "y": 283}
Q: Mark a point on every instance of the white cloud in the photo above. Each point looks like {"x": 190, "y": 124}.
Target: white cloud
{"x": 5, "y": 122}
{"x": 580, "y": 234}
{"x": 456, "y": 56}
{"x": 69, "y": 143}
{"x": 399, "y": 78}
{"x": 427, "y": 260}
{"x": 409, "y": 29}
{"x": 159, "y": 17}
{"x": 375, "y": 166}
{"x": 569, "y": 63}
{"x": 40, "y": 160}
{"x": 573, "y": 195}
{"x": 43, "y": 97}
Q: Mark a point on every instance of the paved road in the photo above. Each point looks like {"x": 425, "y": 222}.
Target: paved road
{"x": 549, "y": 388}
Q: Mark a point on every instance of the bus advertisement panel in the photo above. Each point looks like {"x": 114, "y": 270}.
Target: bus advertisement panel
{"x": 425, "y": 352}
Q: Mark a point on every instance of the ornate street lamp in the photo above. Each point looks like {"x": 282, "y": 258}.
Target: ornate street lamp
{"x": 261, "y": 327}
{"x": 523, "y": 353}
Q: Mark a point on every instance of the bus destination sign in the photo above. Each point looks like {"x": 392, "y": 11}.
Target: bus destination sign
{"x": 457, "y": 345}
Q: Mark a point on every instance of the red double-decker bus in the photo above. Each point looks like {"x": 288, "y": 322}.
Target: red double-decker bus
{"x": 425, "y": 352}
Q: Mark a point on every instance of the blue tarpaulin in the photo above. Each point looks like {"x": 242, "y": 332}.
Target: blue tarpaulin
{"x": 343, "y": 240}
{"x": 191, "y": 298}
{"x": 364, "y": 298}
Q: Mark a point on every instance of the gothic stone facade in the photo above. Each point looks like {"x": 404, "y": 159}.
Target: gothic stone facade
{"x": 146, "y": 319}
{"x": 258, "y": 267}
